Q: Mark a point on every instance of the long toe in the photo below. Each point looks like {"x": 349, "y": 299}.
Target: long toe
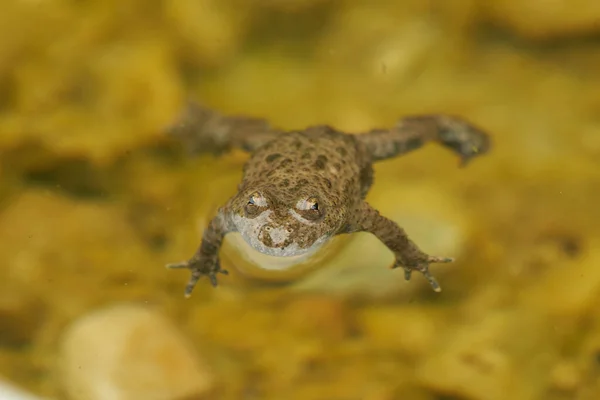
{"x": 179, "y": 265}
{"x": 191, "y": 285}
{"x": 442, "y": 260}
{"x": 434, "y": 283}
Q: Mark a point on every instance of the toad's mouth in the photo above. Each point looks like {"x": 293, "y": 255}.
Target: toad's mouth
{"x": 286, "y": 248}
{"x": 274, "y": 258}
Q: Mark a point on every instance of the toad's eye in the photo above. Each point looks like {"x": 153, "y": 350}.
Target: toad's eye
{"x": 310, "y": 208}
{"x": 255, "y": 202}
{"x": 256, "y": 199}
{"x": 308, "y": 204}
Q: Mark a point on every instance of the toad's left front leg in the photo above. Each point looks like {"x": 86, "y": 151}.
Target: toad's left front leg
{"x": 407, "y": 254}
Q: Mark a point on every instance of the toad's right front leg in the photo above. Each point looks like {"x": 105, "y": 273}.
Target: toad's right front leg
{"x": 205, "y": 262}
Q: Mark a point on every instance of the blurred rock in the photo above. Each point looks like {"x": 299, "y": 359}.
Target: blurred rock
{"x": 408, "y": 329}
{"x": 127, "y": 352}
{"x": 565, "y": 377}
{"x": 208, "y": 31}
{"x": 291, "y": 6}
{"x": 10, "y": 392}
{"x": 318, "y": 316}
{"x": 17, "y": 44}
{"x": 544, "y": 19}
{"x": 60, "y": 249}
{"x": 71, "y": 75}
{"x": 390, "y": 46}
{"x": 581, "y": 372}
{"x": 567, "y": 288}
{"x": 137, "y": 93}
{"x": 20, "y": 316}
{"x": 506, "y": 354}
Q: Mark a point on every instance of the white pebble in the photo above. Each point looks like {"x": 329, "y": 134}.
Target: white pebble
{"x": 129, "y": 352}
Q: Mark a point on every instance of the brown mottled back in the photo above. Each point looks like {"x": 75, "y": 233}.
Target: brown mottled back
{"x": 318, "y": 158}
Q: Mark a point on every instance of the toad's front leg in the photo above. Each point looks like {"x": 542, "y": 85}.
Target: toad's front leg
{"x": 407, "y": 254}
{"x": 205, "y": 262}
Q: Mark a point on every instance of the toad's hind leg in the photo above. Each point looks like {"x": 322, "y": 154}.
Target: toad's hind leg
{"x": 203, "y": 130}
{"x": 412, "y": 132}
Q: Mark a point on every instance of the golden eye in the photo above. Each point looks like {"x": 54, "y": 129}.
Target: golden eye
{"x": 312, "y": 204}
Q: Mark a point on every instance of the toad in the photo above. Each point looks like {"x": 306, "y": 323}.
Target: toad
{"x": 302, "y": 187}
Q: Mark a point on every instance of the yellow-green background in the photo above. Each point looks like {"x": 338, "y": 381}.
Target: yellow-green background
{"x": 94, "y": 200}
